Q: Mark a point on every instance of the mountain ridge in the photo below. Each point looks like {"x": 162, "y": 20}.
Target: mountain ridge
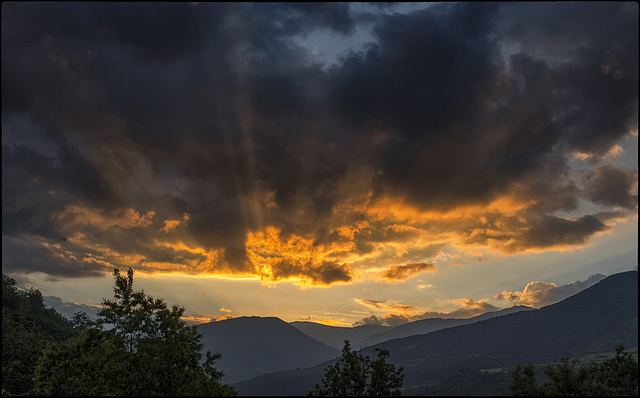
{"x": 429, "y": 325}
{"x": 593, "y": 320}
{"x": 336, "y": 335}
{"x": 251, "y": 346}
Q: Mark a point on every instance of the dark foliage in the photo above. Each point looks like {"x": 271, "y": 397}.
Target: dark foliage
{"x": 356, "y": 375}
{"x": 149, "y": 350}
{"x": 467, "y": 382}
{"x": 27, "y": 328}
{"x": 617, "y": 376}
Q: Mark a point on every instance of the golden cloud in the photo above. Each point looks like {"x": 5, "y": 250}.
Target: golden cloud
{"x": 199, "y": 319}
{"x": 363, "y": 237}
{"x": 469, "y": 303}
{"x": 404, "y": 272}
{"x": 170, "y": 225}
{"x": 532, "y": 294}
{"x": 538, "y": 293}
{"x": 396, "y": 314}
{"x": 396, "y": 309}
{"x": 122, "y": 218}
{"x": 295, "y": 258}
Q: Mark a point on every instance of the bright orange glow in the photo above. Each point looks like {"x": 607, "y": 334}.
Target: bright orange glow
{"x": 199, "y": 319}
{"x": 294, "y": 259}
{"x": 364, "y": 239}
{"x": 333, "y": 322}
{"x": 171, "y": 272}
{"x": 170, "y": 225}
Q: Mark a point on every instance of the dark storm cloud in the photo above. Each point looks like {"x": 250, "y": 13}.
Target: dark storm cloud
{"x": 611, "y": 186}
{"x": 325, "y": 274}
{"x": 548, "y": 231}
{"x": 30, "y": 254}
{"x": 218, "y": 111}
{"x": 469, "y": 121}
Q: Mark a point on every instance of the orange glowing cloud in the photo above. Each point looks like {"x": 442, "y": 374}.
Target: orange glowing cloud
{"x": 397, "y": 314}
{"x": 295, "y": 258}
{"x": 532, "y": 294}
{"x": 470, "y": 303}
{"x": 333, "y": 322}
{"x": 397, "y": 309}
{"x": 199, "y": 319}
{"x": 363, "y": 237}
{"x": 404, "y": 272}
{"x": 123, "y": 218}
{"x": 170, "y": 225}
{"x": 538, "y": 293}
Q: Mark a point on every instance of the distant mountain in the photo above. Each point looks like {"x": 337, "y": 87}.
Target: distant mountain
{"x": 366, "y": 335}
{"x": 425, "y": 326}
{"x": 251, "y": 346}
{"x": 335, "y": 335}
{"x": 594, "y": 320}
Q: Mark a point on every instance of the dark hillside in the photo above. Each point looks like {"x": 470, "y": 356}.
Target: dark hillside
{"x": 425, "y": 326}
{"x": 335, "y": 335}
{"x": 594, "y": 320}
{"x": 251, "y": 346}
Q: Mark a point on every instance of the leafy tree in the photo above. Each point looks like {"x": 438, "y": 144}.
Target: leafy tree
{"x": 615, "y": 376}
{"x": 81, "y": 321}
{"x": 27, "y": 328}
{"x": 148, "y": 351}
{"x": 523, "y": 381}
{"x": 385, "y": 380}
{"x": 357, "y": 375}
{"x": 565, "y": 378}
{"x": 89, "y": 364}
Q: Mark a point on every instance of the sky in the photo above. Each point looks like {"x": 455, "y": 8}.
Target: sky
{"x": 343, "y": 163}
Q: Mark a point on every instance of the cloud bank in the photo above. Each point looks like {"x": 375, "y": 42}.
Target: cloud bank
{"x": 539, "y": 294}
{"x": 455, "y": 128}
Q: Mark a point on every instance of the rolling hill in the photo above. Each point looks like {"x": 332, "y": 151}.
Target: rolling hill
{"x": 425, "y": 326}
{"x": 594, "y": 320}
{"x": 252, "y": 346}
{"x": 336, "y": 335}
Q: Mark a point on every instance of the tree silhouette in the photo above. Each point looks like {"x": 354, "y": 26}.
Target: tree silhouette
{"x": 148, "y": 351}
{"x": 27, "y": 328}
{"x": 357, "y": 375}
{"x": 615, "y": 376}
